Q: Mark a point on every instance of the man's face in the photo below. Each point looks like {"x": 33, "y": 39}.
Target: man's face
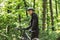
{"x": 30, "y": 12}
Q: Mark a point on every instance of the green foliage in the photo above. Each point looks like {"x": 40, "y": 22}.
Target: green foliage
{"x": 9, "y": 16}
{"x": 46, "y": 36}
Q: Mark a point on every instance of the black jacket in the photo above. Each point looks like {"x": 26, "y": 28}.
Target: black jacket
{"x": 34, "y": 22}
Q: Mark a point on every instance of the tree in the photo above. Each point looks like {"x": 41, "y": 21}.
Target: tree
{"x": 56, "y": 8}
{"x": 25, "y": 6}
{"x": 34, "y": 4}
{"x": 44, "y": 14}
{"x": 51, "y": 11}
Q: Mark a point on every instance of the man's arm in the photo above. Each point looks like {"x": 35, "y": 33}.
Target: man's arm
{"x": 33, "y": 23}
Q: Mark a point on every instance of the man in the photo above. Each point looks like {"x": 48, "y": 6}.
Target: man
{"x": 33, "y": 24}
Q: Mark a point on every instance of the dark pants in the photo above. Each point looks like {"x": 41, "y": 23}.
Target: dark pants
{"x": 35, "y": 34}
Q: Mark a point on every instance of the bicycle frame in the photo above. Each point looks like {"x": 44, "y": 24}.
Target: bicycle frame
{"x": 25, "y": 36}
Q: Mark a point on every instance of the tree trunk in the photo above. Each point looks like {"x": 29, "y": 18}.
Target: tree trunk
{"x": 19, "y": 18}
{"x": 44, "y": 14}
{"x": 59, "y": 6}
{"x": 52, "y": 18}
{"x": 34, "y": 4}
{"x": 56, "y": 8}
{"x": 25, "y": 7}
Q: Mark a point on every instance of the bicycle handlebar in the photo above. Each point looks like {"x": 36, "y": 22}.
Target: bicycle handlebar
{"x": 24, "y": 29}
{"x": 19, "y": 29}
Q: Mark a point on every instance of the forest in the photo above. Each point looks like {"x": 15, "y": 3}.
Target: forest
{"x": 13, "y": 13}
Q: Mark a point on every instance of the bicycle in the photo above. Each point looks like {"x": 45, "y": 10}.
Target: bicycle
{"x": 24, "y": 35}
